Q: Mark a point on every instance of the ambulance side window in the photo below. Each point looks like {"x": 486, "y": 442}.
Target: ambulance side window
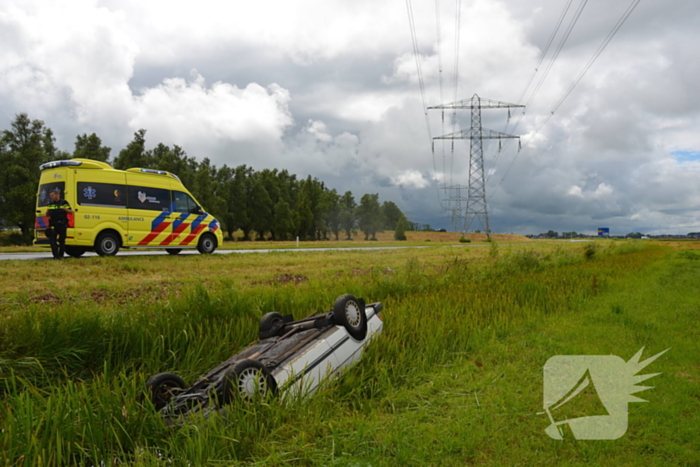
{"x": 45, "y": 189}
{"x": 153, "y": 199}
{"x": 184, "y": 203}
{"x": 101, "y": 194}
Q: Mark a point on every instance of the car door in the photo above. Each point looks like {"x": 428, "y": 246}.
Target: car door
{"x": 188, "y": 221}
{"x": 149, "y": 206}
{"x": 55, "y": 180}
{"x": 345, "y": 350}
{"x": 303, "y": 372}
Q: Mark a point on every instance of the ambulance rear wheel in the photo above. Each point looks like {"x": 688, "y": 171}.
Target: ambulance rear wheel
{"x": 173, "y": 251}
{"x": 75, "y": 251}
{"x": 207, "y": 244}
{"x": 107, "y": 244}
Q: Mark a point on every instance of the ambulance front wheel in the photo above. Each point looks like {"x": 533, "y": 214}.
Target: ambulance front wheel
{"x": 107, "y": 244}
{"x": 207, "y": 244}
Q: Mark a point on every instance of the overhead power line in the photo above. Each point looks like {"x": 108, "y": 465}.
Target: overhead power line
{"x": 416, "y": 54}
{"x": 439, "y": 54}
{"x": 552, "y": 60}
{"x": 419, "y": 70}
{"x": 458, "y": 27}
{"x": 559, "y": 48}
{"x": 576, "y": 81}
{"x": 546, "y": 48}
{"x": 597, "y": 53}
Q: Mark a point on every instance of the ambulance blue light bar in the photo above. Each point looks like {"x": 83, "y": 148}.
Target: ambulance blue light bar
{"x": 160, "y": 172}
{"x": 151, "y": 171}
{"x": 54, "y": 164}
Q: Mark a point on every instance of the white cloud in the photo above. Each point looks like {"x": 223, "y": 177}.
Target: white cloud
{"x": 189, "y": 112}
{"x": 575, "y": 191}
{"x": 330, "y": 88}
{"x": 319, "y": 130}
{"x": 603, "y": 191}
{"x": 410, "y": 178}
{"x": 66, "y": 57}
{"x": 81, "y": 66}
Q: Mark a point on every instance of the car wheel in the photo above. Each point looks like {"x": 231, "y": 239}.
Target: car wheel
{"x": 162, "y": 387}
{"x": 207, "y": 244}
{"x": 107, "y": 244}
{"x": 246, "y": 380}
{"x": 75, "y": 251}
{"x": 173, "y": 251}
{"x": 270, "y": 325}
{"x": 349, "y": 313}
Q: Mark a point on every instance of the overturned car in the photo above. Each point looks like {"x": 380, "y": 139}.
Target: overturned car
{"x": 289, "y": 356}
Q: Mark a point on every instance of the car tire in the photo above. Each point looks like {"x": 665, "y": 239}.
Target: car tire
{"x": 75, "y": 251}
{"x": 107, "y": 244}
{"x": 350, "y": 313}
{"x": 162, "y": 387}
{"x": 173, "y": 251}
{"x": 247, "y": 380}
{"x": 271, "y": 324}
{"x": 207, "y": 244}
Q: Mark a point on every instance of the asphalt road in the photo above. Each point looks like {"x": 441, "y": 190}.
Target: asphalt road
{"x": 45, "y": 255}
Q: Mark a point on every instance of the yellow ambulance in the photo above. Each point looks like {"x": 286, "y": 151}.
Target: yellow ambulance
{"x": 133, "y": 208}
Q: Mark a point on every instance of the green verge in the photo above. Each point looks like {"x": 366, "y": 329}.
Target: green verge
{"x": 455, "y": 379}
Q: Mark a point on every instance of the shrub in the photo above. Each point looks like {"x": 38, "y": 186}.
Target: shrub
{"x": 590, "y": 250}
{"x": 464, "y": 240}
{"x": 401, "y": 227}
{"x": 11, "y": 238}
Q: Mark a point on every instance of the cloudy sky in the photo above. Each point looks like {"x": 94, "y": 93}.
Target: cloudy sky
{"x": 330, "y": 88}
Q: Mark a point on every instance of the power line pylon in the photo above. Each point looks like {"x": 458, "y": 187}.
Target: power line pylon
{"x": 476, "y": 196}
{"x": 455, "y": 200}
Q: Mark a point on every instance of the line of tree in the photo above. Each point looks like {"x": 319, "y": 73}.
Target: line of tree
{"x": 268, "y": 204}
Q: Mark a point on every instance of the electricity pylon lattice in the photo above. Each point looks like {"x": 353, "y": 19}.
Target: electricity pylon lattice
{"x": 476, "y": 194}
{"x": 455, "y": 201}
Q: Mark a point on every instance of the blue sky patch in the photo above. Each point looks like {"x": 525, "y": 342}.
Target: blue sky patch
{"x": 685, "y": 156}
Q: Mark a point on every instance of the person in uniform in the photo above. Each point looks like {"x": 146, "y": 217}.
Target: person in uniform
{"x": 57, "y": 210}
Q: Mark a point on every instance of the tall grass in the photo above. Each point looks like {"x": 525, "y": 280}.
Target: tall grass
{"x": 72, "y": 375}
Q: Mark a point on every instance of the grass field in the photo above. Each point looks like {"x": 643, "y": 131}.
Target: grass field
{"x": 358, "y": 241}
{"x": 456, "y": 378}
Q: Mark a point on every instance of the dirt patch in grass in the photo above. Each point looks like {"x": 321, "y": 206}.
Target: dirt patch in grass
{"x": 287, "y": 278}
{"x": 153, "y": 292}
{"x": 100, "y": 297}
{"x": 46, "y": 298}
